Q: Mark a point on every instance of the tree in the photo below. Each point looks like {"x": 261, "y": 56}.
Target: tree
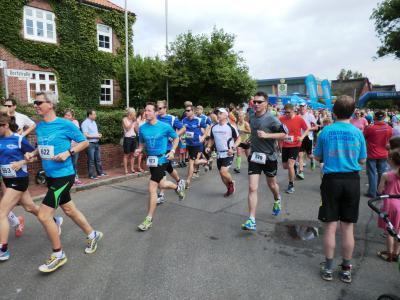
{"x": 387, "y": 25}
{"x": 206, "y": 70}
{"x": 349, "y": 74}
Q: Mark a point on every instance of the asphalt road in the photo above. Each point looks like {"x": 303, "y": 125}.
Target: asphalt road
{"x": 196, "y": 249}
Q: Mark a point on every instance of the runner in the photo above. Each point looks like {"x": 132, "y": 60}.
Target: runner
{"x": 292, "y": 142}
{"x": 307, "y": 143}
{"x": 154, "y": 135}
{"x": 194, "y": 140}
{"x": 207, "y": 120}
{"x": 244, "y": 146}
{"x": 177, "y": 126}
{"x": 265, "y": 130}
{"x": 54, "y": 136}
{"x": 226, "y": 140}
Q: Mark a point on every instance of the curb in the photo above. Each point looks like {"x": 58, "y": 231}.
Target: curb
{"x": 96, "y": 184}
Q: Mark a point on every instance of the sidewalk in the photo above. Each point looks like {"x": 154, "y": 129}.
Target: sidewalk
{"x": 115, "y": 175}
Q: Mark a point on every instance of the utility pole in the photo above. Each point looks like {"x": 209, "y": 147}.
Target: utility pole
{"x": 166, "y": 49}
{"x": 126, "y": 54}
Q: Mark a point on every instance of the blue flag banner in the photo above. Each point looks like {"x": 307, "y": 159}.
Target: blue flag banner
{"x": 326, "y": 90}
{"x": 312, "y": 89}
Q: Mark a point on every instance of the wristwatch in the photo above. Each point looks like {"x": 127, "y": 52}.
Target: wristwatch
{"x": 71, "y": 152}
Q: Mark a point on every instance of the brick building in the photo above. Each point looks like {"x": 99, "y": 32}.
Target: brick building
{"x": 351, "y": 87}
{"x": 22, "y": 80}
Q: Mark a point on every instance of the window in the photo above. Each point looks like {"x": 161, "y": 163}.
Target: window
{"x": 106, "y": 92}
{"x": 39, "y": 25}
{"x": 41, "y": 81}
{"x": 104, "y": 37}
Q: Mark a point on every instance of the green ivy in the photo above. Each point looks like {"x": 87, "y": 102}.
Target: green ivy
{"x": 78, "y": 64}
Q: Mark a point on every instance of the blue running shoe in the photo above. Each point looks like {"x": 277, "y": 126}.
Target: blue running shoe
{"x": 276, "y": 209}
{"x": 249, "y": 225}
{"x": 4, "y": 255}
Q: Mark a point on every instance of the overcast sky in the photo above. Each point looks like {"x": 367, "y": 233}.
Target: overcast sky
{"x": 279, "y": 38}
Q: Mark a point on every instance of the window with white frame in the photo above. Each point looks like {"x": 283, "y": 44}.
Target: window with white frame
{"x": 40, "y": 81}
{"x": 106, "y": 92}
{"x": 104, "y": 37}
{"x": 39, "y": 25}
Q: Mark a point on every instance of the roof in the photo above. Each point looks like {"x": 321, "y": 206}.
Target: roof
{"x": 105, "y": 4}
{"x": 384, "y": 88}
{"x": 347, "y": 87}
{"x": 273, "y": 81}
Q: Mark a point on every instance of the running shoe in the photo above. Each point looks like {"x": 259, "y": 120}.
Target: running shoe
{"x": 313, "y": 165}
{"x": 53, "y": 263}
{"x": 92, "y": 243}
{"x": 59, "y": 221}
{"x": 182, "y": 183}
{"x": 103, "y": 174}
{"x": 93, "y": 177}
{"x": 19, "y": 230}
{"x": 146, "y": 225}
{"x": 345, "y": 274}
{"x": 180, "y": 190}
{"x": 290, "y": 189}
{"x": 276, "y": 209}
{"x": 231, "y": 189}
{"x": 249, "y": 225}
{"x": 4, "y": 255}
{"x": 184, "y": 165}
{"x": 195, "y": 175}
{"x": 160, "y": 199}
{"x": 326, "y": 274}
{"x": 296, "y": 167}
{"x": 236, "y": 170}
{"x": 300, "y": 175}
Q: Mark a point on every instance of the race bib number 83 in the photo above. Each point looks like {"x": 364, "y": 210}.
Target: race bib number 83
{"x": 7, "y": 171}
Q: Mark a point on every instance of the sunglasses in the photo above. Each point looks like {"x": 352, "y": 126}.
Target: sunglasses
{"x": 188, "y": 110}
{"x": 258, "y": 102}
{"x": 160, "y": 108}
{"x": 38, "y": 103}
{"x": 2, "y": 125}
{"x": 9, "y": 105}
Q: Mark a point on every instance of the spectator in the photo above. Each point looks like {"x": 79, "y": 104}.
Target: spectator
{"x": 91, "y": 132}
{"x": 359, "y": 121}
{"x": 377, "y": 137}
{"x": 25, "y": 124}
{"x": 69, "y": 114}
{"x": 140, "y": 120}
{"x": 130, "y": 127}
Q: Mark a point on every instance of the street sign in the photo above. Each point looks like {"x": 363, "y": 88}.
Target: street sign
{"x": 282, "y": 89}
{"x": 21, "y": 74}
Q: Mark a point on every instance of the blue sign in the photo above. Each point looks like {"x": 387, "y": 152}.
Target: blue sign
{"x": 312, "y": 89}
{"x": 326, "y": 90}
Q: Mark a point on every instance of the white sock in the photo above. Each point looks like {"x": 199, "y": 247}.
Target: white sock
{"x": 92, "y": 235}
{"x": 58, "y": 254}
{"x": 13, "y": 219}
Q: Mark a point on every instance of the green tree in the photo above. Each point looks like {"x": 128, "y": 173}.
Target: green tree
{"x": 387, "y": 25}
{"x": 349, "y": 74}
{"x": 207, "y": 70}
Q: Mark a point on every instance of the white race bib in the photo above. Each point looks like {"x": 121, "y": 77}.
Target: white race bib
{"x": 152, "y": 161}
{"x": 46, "y": 151}
{"x": 289, "y": 139}
{"x": 259, "y": 158}
{"x": 189, "y": 134}
{"x": 7, "y": 171}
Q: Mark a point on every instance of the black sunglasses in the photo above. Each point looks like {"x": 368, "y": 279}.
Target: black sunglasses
{"x": 160, "y": 108}
{"x": 38, "y": 103}
{"x": 188, "y": 110}
{"x": 1, "y": 125}
{"x": 258, "y": 102}
{"x": 9, "y": 105}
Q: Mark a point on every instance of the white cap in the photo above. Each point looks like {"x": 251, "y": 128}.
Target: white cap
{"x": 303, "y": 104}
{"x": 223, "y": 110}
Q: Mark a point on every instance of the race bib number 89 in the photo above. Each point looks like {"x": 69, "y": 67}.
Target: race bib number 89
{"x": 152, "y": 161}
{"x": 7, "y": 171}
{"x": 46, "y": 152}
{"x": 259, "y": 158}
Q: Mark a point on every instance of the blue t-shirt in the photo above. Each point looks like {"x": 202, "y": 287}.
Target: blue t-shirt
{"x": 172, "y": 121}
{"x": 155, "y": 137}
{"x": 54, "y": 138}
{"x": 193, "y": 130}
{"x": 12, "y": 149}
{"x": 341, "y": 145}
{"x": 205, "y": 119}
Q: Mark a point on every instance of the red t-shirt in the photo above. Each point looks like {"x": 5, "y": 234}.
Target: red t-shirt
{"x": 377, "y": 137}
{"x": 294, "y": 126}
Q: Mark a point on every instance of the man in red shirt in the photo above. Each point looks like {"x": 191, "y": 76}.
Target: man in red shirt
{"x": 377, "y": 137}
{"x": 292, "y": 142}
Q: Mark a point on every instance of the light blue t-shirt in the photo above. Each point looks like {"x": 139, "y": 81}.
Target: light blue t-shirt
{"x": 54, "y": 138}
{"x": 341, "y": 145}
{"x": 155, "y": 137}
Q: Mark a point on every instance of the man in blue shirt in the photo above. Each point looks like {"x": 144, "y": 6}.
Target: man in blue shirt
{"x": 178, "y": 127}
{"x": 154, "y": 135}
{"x": 341, "y": 146}
{"x": 54, "y": 136}
{"x": 194, "y": 140}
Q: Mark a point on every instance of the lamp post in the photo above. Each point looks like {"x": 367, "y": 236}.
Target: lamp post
{"x": 166, "y": 49}
{"x": 126, "y": 54}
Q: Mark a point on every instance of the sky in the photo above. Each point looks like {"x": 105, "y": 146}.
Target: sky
{"x": 276, "y": 38}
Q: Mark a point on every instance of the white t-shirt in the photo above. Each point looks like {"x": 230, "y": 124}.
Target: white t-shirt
{"x": 310, "y": 121}
{"x": 22, "y": 121}
{"x": 224, "y": 136}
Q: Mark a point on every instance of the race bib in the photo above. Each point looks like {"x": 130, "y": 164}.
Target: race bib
{"x": 7, "y": 171}
{"x": 46, "y": 152}
{"x": 189, "y": 134}
{"x": 259, "y": 158}
{"x": 152, "y": 161}
{"x": 289, "y": 139}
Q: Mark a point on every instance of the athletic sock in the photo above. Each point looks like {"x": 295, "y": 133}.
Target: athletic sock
{"x": 58, "y": 253}
{"x": 3, "y": 247}
{"x": 329, "y": 263}
{"x": 291, "y": 183}
{"x": 238, "y": 162}
{"x": 92, "y": 235}
{"x": 13, "y": 219}
{"x": 346, "y": 262}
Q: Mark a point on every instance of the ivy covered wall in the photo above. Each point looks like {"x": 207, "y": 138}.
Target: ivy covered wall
{"x": 78, "y": 64}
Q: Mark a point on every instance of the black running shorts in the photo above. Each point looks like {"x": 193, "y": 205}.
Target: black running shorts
{"x": 270, "y": 168}
{"x": 289, "y": 153}
{"x": 58, "y": 191}
{"x": 158, "y": 173}
{"x": 224, "y": 162}
{"x": 244, "y": 146}
{"x": 17, "y": 183}
{"x": 306, "y": 146}
{"x": 193, "y": 151}
{"x": 340, "y": 197}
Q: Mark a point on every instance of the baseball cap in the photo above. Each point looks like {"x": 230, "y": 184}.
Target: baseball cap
{"x": 379, "y": 115}
{"x": 303, "y": 104}
{"x": 222, "y": 110}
